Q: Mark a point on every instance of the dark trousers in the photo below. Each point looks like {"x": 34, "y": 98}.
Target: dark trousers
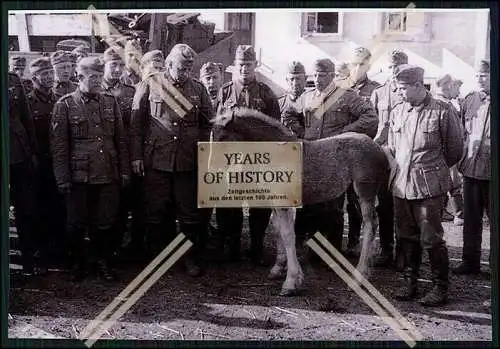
{"x": 130, "y": 202}
{"x": 52, "y": 211}
{"x": 92, "y": 208}
{"x": 354, "y": 217}
{"x": 168, "y": 195}
{"x": 327, "y": 218}
{"x": 418, "y": 222}
{"x": 230, "y": 225}
{"x": 385, "y": 212}
{"x": 476, "y": 202}
{"x": 23, "y": 195}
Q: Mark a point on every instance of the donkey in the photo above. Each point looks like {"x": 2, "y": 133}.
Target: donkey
{"x": 330, "y": 165}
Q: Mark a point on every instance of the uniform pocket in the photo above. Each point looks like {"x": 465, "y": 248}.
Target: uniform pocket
{"x": 79, "y": 127}
{"x": 436, "y": 179}
{"x": 80, "y": 167}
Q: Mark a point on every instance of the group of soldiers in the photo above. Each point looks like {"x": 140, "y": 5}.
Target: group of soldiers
{"x": 95, "y": 139}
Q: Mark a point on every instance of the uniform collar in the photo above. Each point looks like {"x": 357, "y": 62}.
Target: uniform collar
{"x": 109, "y": 86}
{"x": 485, "y": 97}
{"x": 418, "y": 108}
{"x": 238, "y": 86}
{"x": 42, "y": 96}
{"x": 58, "y": 83}
{"x": 86, "y": 97}
{"x": 174, "y": 82}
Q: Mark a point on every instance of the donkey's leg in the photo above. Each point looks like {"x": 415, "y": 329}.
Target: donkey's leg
{"x": 278, "y": 269}
{"x": 294, "y": 276}
{"x": 367, "y": 196}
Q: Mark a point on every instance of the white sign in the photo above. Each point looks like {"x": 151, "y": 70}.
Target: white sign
{"x": 249, "y": 174}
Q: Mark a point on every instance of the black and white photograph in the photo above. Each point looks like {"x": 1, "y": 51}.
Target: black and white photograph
{"x": 114, "y": 233}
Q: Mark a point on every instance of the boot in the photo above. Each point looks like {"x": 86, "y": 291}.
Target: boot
{"x": 466, "y": 269}
{"x": 439, "y": 268}
{"x": 412, "y": 254}
{"x": 78, "y": 258}
{"x": 234, "y": 246}
{"x": 384, "y": 259}
{"x": 399, "y": 259}
{"x": 105, "y": 243}
{"x": 193, "y": 257}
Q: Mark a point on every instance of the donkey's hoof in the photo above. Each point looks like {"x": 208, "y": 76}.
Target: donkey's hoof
{"x": 288, "y": 292}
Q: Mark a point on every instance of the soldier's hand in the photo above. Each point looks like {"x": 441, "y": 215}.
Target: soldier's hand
{"x": 125, "y": 181}
{"x": 64, "y": 188}
{"x": 138, "y": 167}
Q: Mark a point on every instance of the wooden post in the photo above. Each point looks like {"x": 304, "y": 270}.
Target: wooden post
{"x": 22, "y": 33}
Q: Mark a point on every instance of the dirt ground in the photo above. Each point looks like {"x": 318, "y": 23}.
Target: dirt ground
{"x": 237, "y": 302}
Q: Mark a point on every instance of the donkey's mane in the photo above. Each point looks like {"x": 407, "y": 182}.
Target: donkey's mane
{"x": 258, "y": 124}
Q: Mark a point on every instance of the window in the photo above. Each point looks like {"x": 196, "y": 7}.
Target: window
{"x": 404, "y": 26}
{"x": 395, "y": 22}
{"x": 322, "y": 24}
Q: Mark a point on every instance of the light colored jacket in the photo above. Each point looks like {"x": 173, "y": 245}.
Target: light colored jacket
{"x": 425, "y": 141}
{"x": 475, "y": 114}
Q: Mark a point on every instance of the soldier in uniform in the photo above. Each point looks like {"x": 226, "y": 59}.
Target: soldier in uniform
{"x": 63, "y": 64}
{"x": 359, "y": 65}
{"x": 289, "y": 103}
{"x": 133, "y": 53}
{"x": 245, "y": 91}
{"x": 475, "y": 167}
{"x": 425, "y": 139}
{"x": 50, "y": 204}
{"x": 152, "y": 62}
{"x": 129, "y": 195}
{"x": 23, "y": 163}
{"x": 211, "y": 76}
{"x": 384, "y": 99}
{"x": 456, "y": 100}
{"x": 17, "y": 65}
{"x": 90, "y": 162}
{"x": 164, "y": 133}
{"x": 348, "y": 112}
{"x": 444, "y": 90}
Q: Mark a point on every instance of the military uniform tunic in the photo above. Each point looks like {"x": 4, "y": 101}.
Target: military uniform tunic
{"x": 365, "y": 88}
{"x": 290, "y": 107}
{"x": 337, "y": 111}
{"x": 384, "y": 99}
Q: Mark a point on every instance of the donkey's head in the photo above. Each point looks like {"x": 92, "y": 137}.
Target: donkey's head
{"x": 243, "y": 124}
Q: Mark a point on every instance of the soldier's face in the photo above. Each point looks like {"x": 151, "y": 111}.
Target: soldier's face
{"x": 245, "y": 71}
{"x": 483, "y": 81}
{"x": 157, "y": 64}
{"x": 113, "y": 70}
{"x": 296, "y": 83}
{"x": 18, "y": 70}
{"x": 44, "y": 79}
{"x": 358, "y": 70}
{"x": 408, "y": 92}
{"x": 445, "y": 90}
{"x": 454, "y": 90}
{"x": 322, "y": 79}
{"x": 63, "y": 71}
{"x": 131, "y": 59}
{"x": 90, "y": 81}
{"x": 180, "y": 70}
{"x": 212, "y": 83}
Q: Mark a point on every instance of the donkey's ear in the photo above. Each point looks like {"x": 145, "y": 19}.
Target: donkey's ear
{"x": 225, "y": 117}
